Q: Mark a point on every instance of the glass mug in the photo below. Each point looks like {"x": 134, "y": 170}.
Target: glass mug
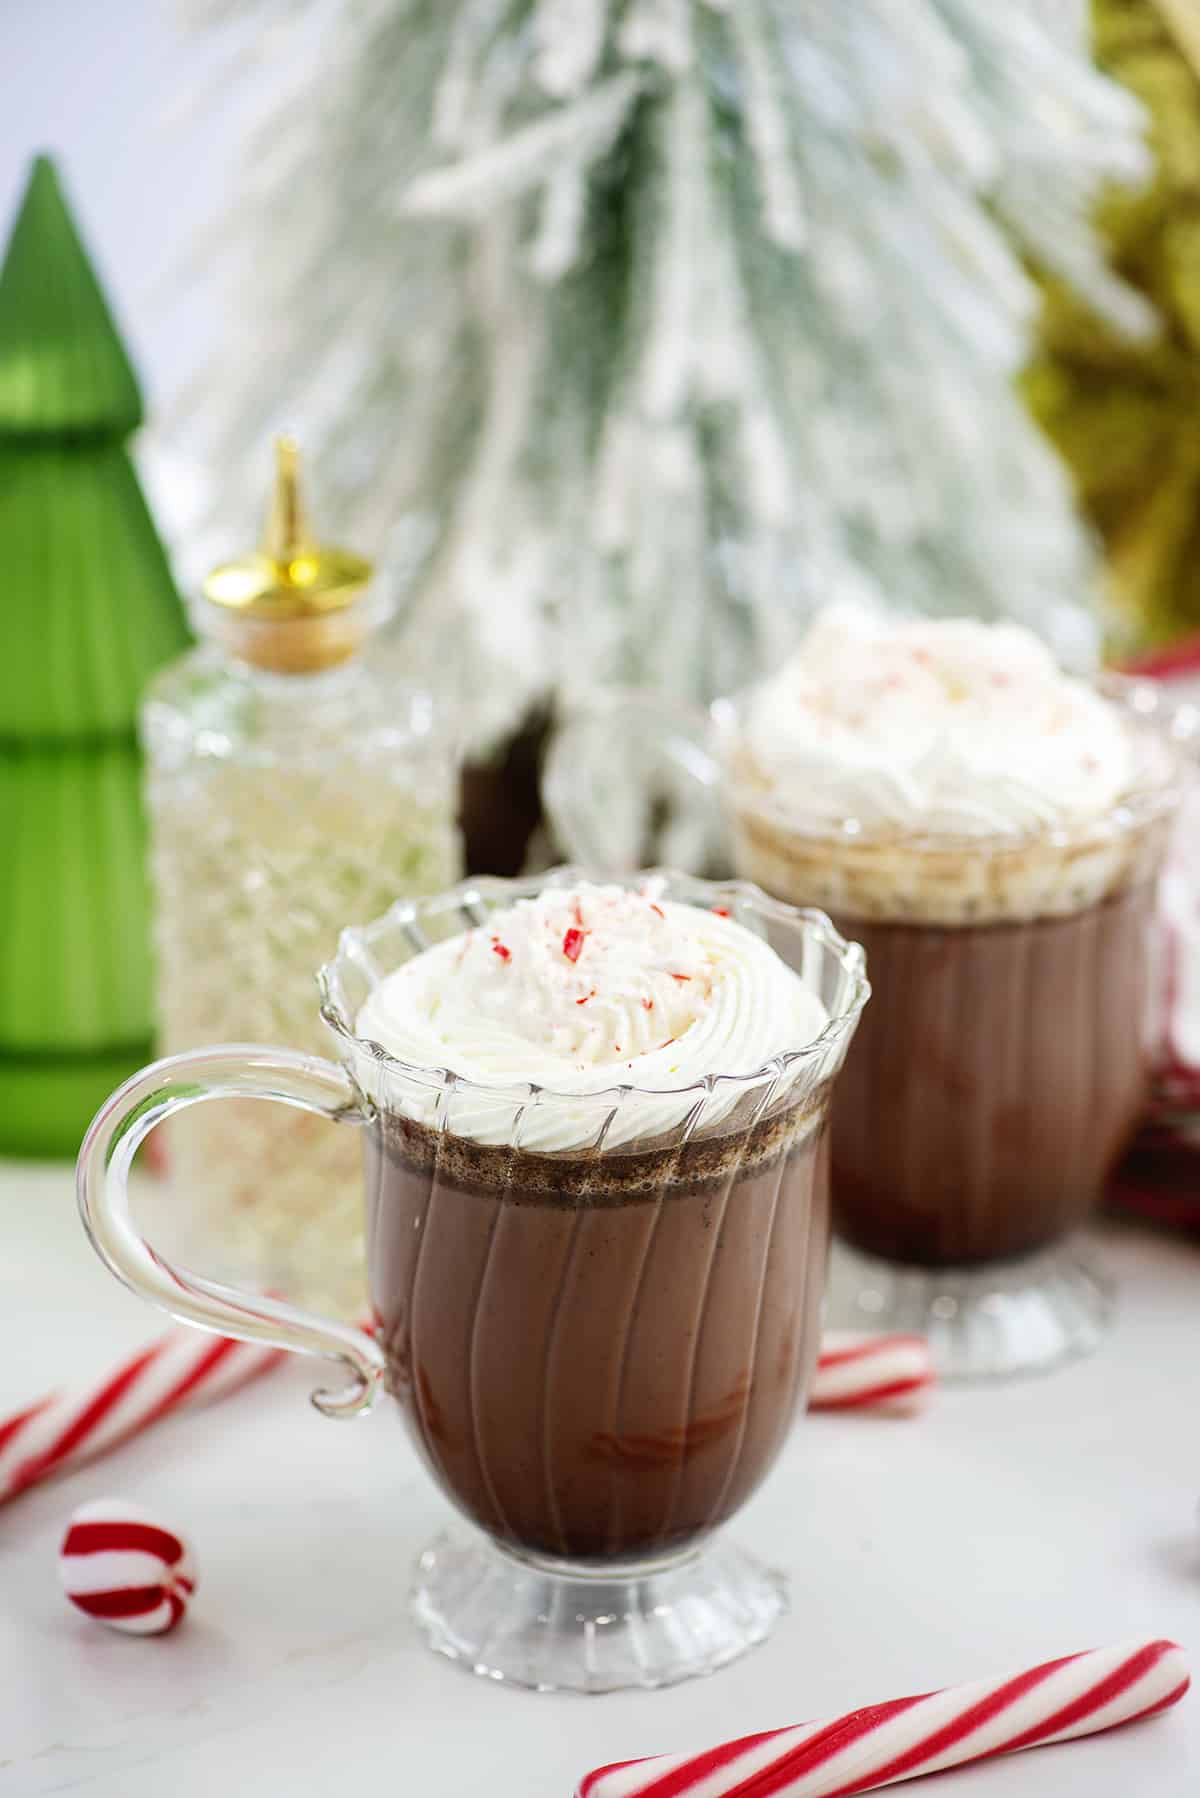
{"x": 598, "y": 1352}
{"x": 1005, "y": 1060}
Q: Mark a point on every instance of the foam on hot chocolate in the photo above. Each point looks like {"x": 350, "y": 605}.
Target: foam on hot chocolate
{"x": 579, "y": 992}
{"x": 939, "y": 771}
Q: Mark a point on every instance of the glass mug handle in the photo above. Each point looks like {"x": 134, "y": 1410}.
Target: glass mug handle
{"x": 614, "y": 756}
{"x": 230, "y": 1071}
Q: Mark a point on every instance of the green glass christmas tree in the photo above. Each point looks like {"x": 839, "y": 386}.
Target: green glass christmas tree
{"x": 88, "y": 610}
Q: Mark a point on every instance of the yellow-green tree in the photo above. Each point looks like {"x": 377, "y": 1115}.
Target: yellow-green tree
{"x": 1123, "y": 411}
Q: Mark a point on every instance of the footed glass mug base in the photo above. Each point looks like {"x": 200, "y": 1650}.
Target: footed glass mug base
{"x": 563, "y": 1627}
{"x": 1014, "y": 1317}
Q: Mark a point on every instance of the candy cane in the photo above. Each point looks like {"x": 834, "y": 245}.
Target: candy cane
{"x": 188, "y": 1368}
{"x": 884, "y": 1743}
{"x": 179, "y": 1370}
{"x": 891, "y": 1373}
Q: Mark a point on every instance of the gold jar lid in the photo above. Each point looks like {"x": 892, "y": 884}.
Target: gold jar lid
{"x": 293, "y": 605}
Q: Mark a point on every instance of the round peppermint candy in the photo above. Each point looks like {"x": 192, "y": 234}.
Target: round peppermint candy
{"x": 125, "y": 1568}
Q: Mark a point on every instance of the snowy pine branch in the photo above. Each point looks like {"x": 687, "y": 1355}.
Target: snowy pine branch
{"x": 629, "y": 330}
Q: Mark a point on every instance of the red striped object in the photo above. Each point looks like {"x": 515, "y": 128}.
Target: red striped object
{"x": 189, "y": 1368}
{"x": 882, "y": 1373}
{"x": 884, "y": 1743}
{"x": 124, "y": 1568}
{"x": 179, "y": 1370}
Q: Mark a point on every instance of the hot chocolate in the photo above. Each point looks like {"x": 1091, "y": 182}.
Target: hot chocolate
{"x": 1003, "y": 1080}
{"x": 597, "y": 1214}
{"x": 990, "y": 828}
{"x": 599, "y": 1359}
{"x": 599, "y": 1300}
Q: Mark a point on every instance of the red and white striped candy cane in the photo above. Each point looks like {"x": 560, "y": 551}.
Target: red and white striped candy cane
{"x": 189, "y": 1368}
{"x": 892, "y": 1373}
{"x": 884, "y": 1743}
{"x": 181, "y": 1369}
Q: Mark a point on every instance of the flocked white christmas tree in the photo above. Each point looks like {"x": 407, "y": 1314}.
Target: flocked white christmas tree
{"x": 633, "y": 329}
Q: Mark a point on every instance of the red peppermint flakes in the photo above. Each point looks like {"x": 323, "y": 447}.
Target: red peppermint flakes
{"x": 681, "y": 977}
{"x": 573, "y": 944}
{"x": 502, "y": 950}
{"x": 577, "y": 913}
{"x": 648, "y": 1004}
{"x": 657, "y": 908}
{"x": 586, "y": 997}
{"x": 720, "y": 911}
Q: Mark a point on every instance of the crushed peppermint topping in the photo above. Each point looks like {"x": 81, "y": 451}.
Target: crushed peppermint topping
{"x": 634, "y": 973}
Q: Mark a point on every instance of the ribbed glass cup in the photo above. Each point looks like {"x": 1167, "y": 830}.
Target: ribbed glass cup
{"x": 1006, "y": 1060}
{"x": 598, "y": 1350}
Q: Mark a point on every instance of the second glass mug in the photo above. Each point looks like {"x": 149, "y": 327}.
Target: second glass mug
{"x": 1005, "y": 1059}
{"x": 599, "y": 1352}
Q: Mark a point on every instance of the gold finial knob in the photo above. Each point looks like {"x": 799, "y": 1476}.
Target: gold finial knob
{"x": 290, "y": 606}
{"x": 291, "y": 576}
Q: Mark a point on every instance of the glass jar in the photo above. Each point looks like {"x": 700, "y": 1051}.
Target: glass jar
{"x": 291, "y": 786}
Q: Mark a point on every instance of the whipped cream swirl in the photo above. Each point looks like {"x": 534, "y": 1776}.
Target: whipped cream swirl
{"x": 581, "y": 990}
{"x": 945, "y": 727}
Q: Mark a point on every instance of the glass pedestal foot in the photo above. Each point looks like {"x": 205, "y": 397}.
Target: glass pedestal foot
{"x": 568, "y": 1628}
{"x": 1018, "y": 1317}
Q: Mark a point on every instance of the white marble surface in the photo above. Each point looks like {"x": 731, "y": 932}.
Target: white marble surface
{"x": 1004, "y": 1527}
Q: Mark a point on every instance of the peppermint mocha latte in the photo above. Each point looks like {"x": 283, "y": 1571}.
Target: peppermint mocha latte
{"x": 597, "y": 1222}
{"x": 600, "y": 1308}
{"x": 990, "y": 828}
